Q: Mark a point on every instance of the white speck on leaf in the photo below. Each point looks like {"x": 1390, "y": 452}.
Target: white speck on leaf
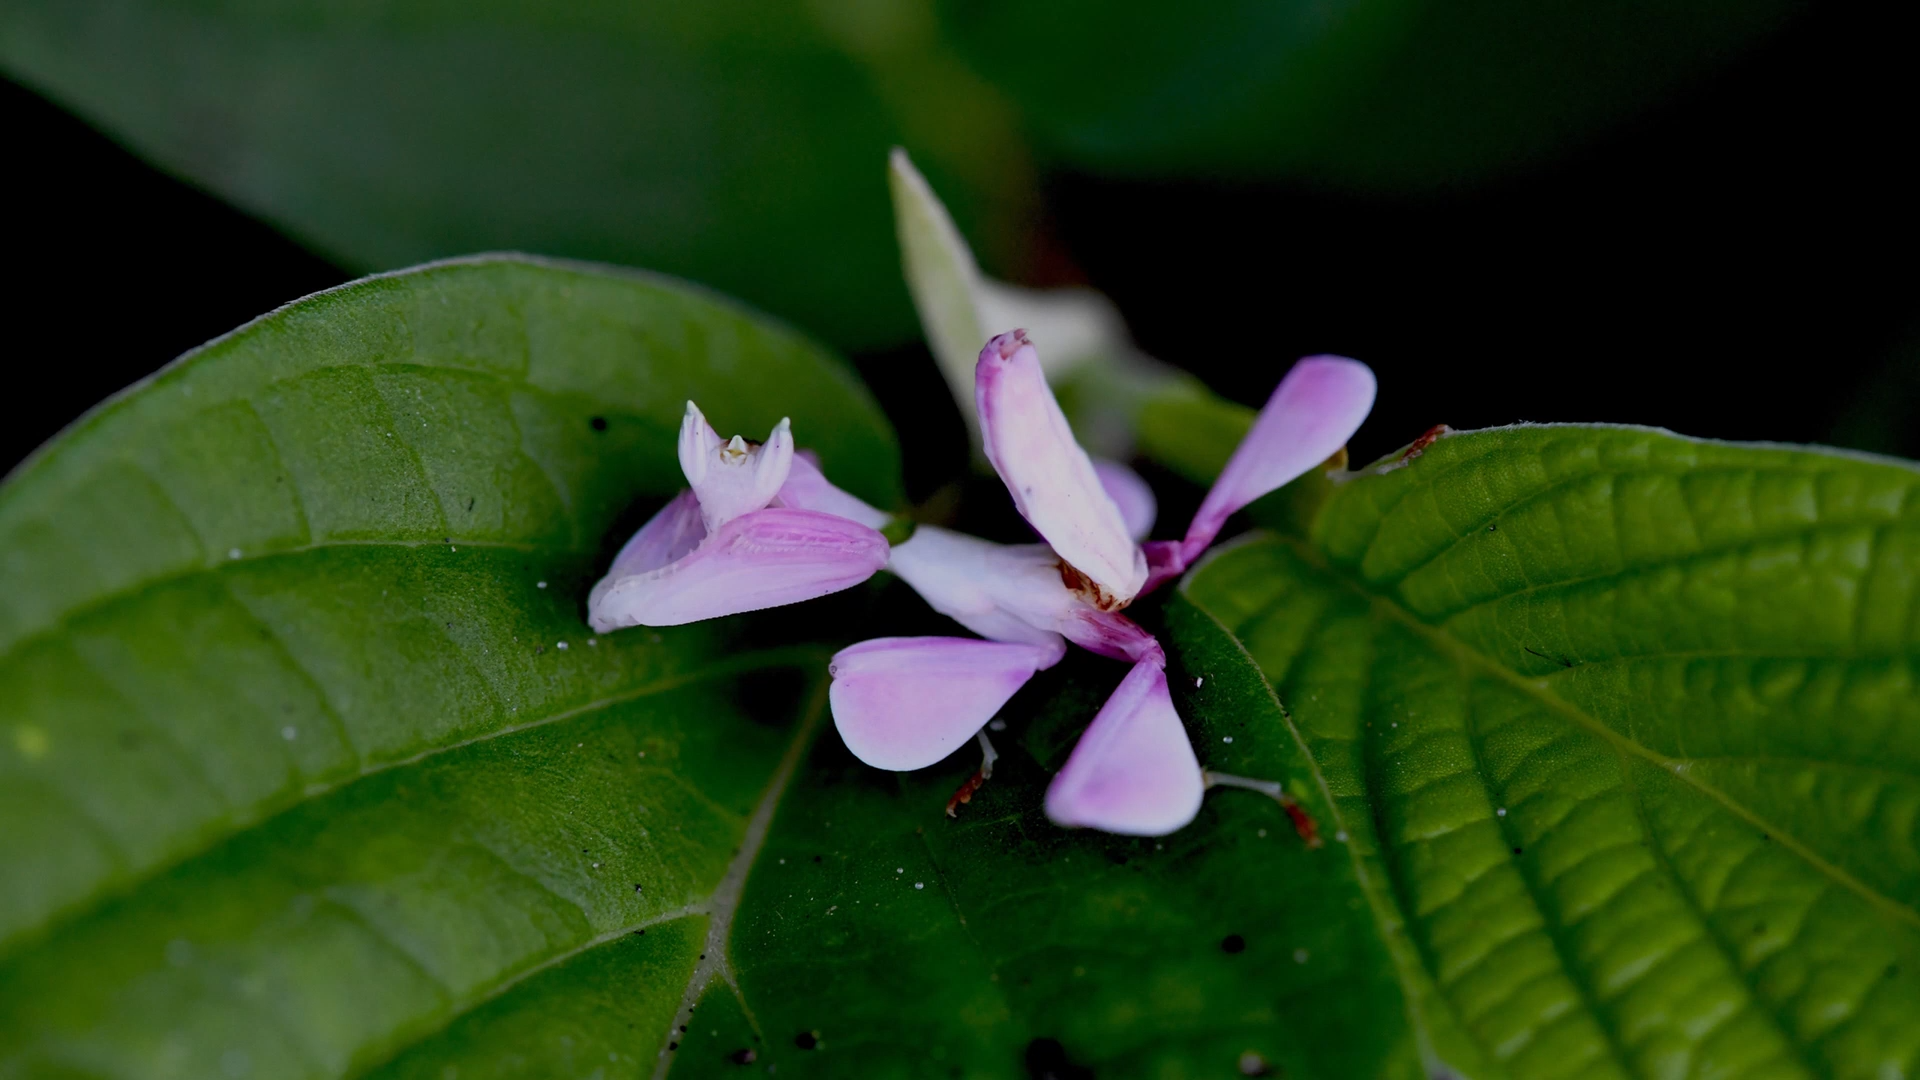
{"x": 560, "y": 645}
{"x": 1263, "y": 833}
{"x": 539, "y": 584}
{"x": 1501, "y": 811}
{"x": 289, "y": 733}
{"x": 1198, "y": 679}
{"x": 593, "y": 641}
{"x": 1341, "y": 836}
{"x": 919, "y": 884}
{"x": 1226, "y": 738}
{"x": 233, "y": 553}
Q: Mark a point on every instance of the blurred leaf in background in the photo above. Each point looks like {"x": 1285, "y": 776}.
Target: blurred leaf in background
{"x": 736, "y": 143}
{"x": 1395, "y": 94}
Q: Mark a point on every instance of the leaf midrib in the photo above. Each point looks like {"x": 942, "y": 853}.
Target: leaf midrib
{"x": 1396, "y": 944}
{"x": 134, "y": 590}
{"x": 802, "y": 657}
{"x": 1536, "y": 690}
{"x": 718, "y": 906}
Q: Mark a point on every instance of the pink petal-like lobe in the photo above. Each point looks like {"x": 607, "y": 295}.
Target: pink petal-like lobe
{"x": 732, "y": 477}
{"x": 1004, "y": 592}
{"x": 1133, "y": 771}
{"x": 1130, "y": 494}
{"x": 807, "y": 488}
{"x": 1052, "y": 480}
{"x": 1313, "y": 412}
{"x": 761, "y": 559}
{"x": 1111, "y": 634}
{"x": 666, "y": 537}
{"x": 904, "y": 703}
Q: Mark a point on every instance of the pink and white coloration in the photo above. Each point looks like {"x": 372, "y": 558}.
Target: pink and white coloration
{"x": 720, "y": 548}
{"x": 1134, "y": 770}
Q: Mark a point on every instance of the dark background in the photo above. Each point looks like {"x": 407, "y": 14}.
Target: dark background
{"x": 1738, "y": 263}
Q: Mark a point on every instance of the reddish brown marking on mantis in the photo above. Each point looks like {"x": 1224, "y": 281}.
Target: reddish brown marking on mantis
{"x": 1303, "y": 822}
{"x": 1084, "y": 587}
{"x": 965, "y": 794}
{"x": 1419, "y": 445}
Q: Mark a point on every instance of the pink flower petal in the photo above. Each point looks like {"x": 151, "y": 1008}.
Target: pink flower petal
{"x": 666, "y": 537}
{"x": 761, "y": 559}
{"x": 1133, "y": 771}
{"x": 1052, "y": 481}
{"x": 1313, "y": 412}
{"x": 807, "y": 488}
{"x": 1131, "y": 494}
{"x": 904, "y": 703}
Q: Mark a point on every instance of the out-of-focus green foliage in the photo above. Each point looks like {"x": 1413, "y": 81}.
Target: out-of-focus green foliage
{"x": 1375, "y": 93}
{"x": 739, "y": 143}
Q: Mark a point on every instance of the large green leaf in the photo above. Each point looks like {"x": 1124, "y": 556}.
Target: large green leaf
{"x": 306, "y": 745}
{"x": 737, "y": 142}
{"x": 300, "y": 780}
{"x": 1610, "y": 736}
{"x": 1374, "y": 93}
{"x": 1627, "y": 726}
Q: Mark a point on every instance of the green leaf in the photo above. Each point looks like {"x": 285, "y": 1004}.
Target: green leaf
{"x": 1626, "y": 726}
{"x": 736, "y": 143}
{"x": 305, "y": 749}
{"x": 1390, "y": 94}
{"x": 341, "y": 805}
{"x": 909, "y": 944}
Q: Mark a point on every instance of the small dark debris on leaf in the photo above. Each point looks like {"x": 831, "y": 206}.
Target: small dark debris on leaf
{"x": 598, "y": 423}
{"x": 806, "y": 1040}
{"x": 1516, "y": 851}
{"x": 673, "y": 1045}
{"x": 469, "y": 504}
{"x": 1047, "y": 1060}
{"x": 636, "y": 887}
{"x": 816, "y": 858}
{"x": 1116, "y": 858}
{"x": 1491, "y": 527}
{"x": 742, "y": 1056}
{"x": 1233, "y": 943}
{"x": 539, "y": 650}
{"x": 639, "y": 933}
{"x": 683, "y": 1028}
